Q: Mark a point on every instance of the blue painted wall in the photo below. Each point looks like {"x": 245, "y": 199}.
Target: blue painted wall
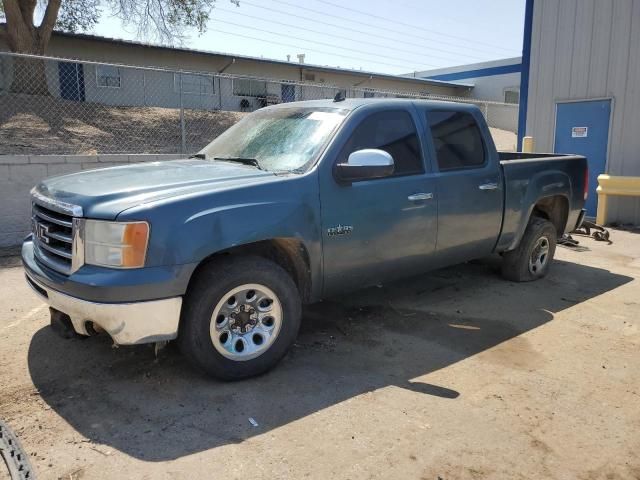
{"x": 524, "y": 76}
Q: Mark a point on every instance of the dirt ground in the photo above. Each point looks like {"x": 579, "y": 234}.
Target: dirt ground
{"x": 457, "y": 374}
{"x": 504, "y": 139}
{"x": 32, "y": 125}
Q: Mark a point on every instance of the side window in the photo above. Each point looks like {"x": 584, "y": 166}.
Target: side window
{"x": 395, "y": 133}
{"x": 108, "y": 76}
{"x": 457, "y": 140}
{"x": 511, "y": 96}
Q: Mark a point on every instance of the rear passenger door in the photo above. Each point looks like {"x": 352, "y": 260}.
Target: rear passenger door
{"x": 379, "y": 229}
{"x": 469, "y": 185}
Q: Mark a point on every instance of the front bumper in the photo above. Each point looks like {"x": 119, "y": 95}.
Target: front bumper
{"x": 132, "y": 306}
{"x": 126, "y": 323}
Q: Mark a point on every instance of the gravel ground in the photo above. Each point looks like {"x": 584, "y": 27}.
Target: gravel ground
{"x": 452, "y": 375}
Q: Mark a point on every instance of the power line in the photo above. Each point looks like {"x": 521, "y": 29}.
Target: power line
{"x": 360, "y": 12}
{"x": 308, "y": 49}
{"x": 333, "y": 35}
{"x": 372, "y": 26}
{"x": 363, "y": 52}
{"x": 377, "y": 28}
{"x": 426, "y": 11}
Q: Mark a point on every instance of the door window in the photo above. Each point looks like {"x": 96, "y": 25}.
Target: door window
{"x": 457, "y": 140}
{"x": 395, "y": 133}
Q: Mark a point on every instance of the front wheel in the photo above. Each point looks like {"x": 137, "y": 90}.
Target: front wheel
{"x": 239, "y": 318}
{"x": 533, "y": 257}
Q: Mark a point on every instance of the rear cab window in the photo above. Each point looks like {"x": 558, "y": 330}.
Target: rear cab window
{"x": 457, "y": 140}
{"x": 392, "y": 131}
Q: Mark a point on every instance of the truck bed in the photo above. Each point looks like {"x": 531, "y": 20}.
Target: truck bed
{"x": 531, "y": 176}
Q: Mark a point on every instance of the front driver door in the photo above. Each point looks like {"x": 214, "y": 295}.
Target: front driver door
{"x": 380, "y": 229}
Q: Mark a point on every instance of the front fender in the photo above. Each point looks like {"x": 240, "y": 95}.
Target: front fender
{"x": 188, "y": 229}
{"x": 221, "y": 228}
{"x": 522, "y": 194}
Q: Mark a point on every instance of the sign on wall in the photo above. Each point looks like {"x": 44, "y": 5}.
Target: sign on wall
{"x": 579, "y": 132}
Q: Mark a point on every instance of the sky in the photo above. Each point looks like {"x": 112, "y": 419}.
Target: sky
{"x": 386, "y": 36}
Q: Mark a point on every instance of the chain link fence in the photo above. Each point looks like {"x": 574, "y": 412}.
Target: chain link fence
{"x": 61, "y": 106}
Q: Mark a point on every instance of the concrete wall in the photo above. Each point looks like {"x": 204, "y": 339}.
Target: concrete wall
{"x": 588, "y": 49}
{"x": 19, "y": 173}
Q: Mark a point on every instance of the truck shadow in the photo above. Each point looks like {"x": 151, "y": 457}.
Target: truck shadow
{"x": 160, "y": 409}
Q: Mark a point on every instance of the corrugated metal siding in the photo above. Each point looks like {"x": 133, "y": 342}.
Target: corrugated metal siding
{"x": 585, "y": 49}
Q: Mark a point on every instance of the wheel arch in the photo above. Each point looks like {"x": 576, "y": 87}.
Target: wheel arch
{"x": 554, "y": 208}
{"x": 289, "y": 253}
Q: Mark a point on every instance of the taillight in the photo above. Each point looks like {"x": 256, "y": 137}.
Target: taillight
{"x": 586, "y": 183}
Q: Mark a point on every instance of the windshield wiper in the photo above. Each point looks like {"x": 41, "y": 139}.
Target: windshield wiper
{"x": 245, "y": 161}
{"x": 201, "y": 156}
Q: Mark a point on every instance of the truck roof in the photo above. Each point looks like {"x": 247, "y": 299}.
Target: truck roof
{"x": 353, "y": 103}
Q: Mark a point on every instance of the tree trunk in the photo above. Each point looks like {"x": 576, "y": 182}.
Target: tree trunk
{"x": 29, "y": 74}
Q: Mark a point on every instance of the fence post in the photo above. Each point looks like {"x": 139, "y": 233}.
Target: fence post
{"x": 183, "y": 147}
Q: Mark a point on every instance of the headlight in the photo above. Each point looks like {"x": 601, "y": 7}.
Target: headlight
{"x": 115, "y": 244}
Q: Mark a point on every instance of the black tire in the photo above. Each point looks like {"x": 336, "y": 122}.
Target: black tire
{"x": 208, "y": 288}
{"x": 13, "y": 456}
{"x": 515, "y": 264}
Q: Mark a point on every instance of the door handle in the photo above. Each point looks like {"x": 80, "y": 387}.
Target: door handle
{"x": 488, "y": 186}
{"x": 420, "y": 196}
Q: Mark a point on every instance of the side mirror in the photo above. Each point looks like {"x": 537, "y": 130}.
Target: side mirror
{"x": 366, "y": 164}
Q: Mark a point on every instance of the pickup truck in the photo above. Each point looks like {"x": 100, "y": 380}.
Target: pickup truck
{"x": 294, "y": 203}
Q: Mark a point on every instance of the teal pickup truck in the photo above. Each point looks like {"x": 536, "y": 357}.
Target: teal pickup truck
{"x": 294, "y": 203}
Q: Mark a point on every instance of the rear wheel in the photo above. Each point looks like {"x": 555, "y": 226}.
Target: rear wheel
{"x": 239, "y": 318}
{"x": 533, "y": 257}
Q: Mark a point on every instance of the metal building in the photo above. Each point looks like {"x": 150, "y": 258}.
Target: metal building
{"x": 580, "y": 88}
{"x": 495, "y": 80}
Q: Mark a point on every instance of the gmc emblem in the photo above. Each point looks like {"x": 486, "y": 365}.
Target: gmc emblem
{"x": 42, "y": 232}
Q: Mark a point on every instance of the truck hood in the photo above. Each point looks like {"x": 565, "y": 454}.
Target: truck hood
{"x": 106, "y": 192}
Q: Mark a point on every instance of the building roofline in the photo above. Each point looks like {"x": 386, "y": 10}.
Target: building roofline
{"x": 310, "y": 66}
{"x": 470, "y": 66}
{"x": 480, "y": 72}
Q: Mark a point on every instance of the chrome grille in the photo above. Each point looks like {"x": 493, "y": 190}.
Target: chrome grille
{"x": 53, "y": 236}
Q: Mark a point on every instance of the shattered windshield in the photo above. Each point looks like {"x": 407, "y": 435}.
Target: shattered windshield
{"x": 279, "y": 139}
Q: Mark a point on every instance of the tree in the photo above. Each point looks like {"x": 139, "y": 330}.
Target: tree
{"x": 163, "y": 20}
